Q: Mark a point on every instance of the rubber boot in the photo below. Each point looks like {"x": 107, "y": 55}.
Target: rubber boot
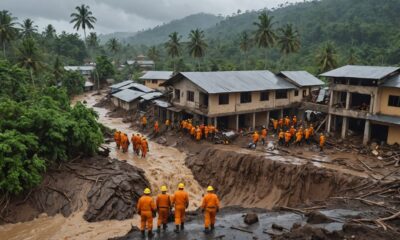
{"x": 143, "y": 234}
{"x": 212, "y": 227}
{"x": 164, "y": 226}
{"x": 206, "y": 230}
{"x": 182, "y": 226}
{"x": 158, "y": 229}
{"x": 150, "y": 233}
{"x": 176, "y": 229}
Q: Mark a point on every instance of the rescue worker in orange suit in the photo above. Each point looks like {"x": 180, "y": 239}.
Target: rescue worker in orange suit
{"x": 256, "y": 138}
{"x": 294, "y": 120}
{"x": 133, "y": 141}
{"x": 292, "y": 131}
{"x": 275, "y": 123}
{"x": 193, "y": 132}
{"x": 181, "y": 202}
{"x": 288, "y": 137}
{"x": 144, "y": 147}
{"x": 307, "y": 135}
{"x": 264, "y": 133}
{"x": 138, "y": 144}
{"x": 156, "y": 128}
{"x": 281, "y": 138}
{"x": 167, "y": 124}
{"x": 198, "y": 134}
{"x": 163, "y": 203}
{"x": 287, "y": 122}
{"x": 144, "y": 122}
{"x": 146, "y": 208}
{"x": 117, "y": 138}
{"x": 280, "y": 123}
{"x": 206, "y": 130}
{"x": 299, "y": 137}
{"x": 321, "y": 142}
{"x": 210, "y": 207}
{"x": 124, "y": 142}
{"x": 183, "y": 125}
{"x": 311, "y": 128}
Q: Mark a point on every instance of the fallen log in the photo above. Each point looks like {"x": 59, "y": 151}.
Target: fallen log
{"x": 380, "y": 221}
{"x": 368, "y": 202}
{"x": 241, "y": 229}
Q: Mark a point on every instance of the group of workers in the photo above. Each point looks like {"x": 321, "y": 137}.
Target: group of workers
{"x": 139, "y": 143}
{"x": 198, "y": 132}
{"x": 290, "y": 132}
{"x": 147, "y": 208}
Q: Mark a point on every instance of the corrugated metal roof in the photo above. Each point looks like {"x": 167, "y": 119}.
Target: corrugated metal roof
{"x": 152, "y": 95}
{"x": 79, "y": 68}
{"x": 302, "y": 78}
{"x": 138, "y": 87}
{"x": 392, "y": 82}
{"x": 385, "y": 119}
{"x": 121, "y": 84}
{"x": 162, "y": 75}
{"x": 128, "y": 95}
{"x": 237, "y": 81}
{"x": 362, "y": 72}
{"x": 162, "y": 103}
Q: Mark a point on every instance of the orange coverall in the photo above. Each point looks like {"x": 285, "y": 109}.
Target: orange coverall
{"x": 138, "y": 144}
{"x": 144, "y": 121}
{"x": 181, "y": 202}
{"x": 256, "y": 137}
{"x": 275, "y": 122}
{"x": 163, "y": 203}
{"x": 193, "y": 131}
{"x": 198, "y": 134}
{"x": 299, "y": 136}
{"x": 294, "y": 120}
{"x": 287, "y": 121}
{"x": 281, "y": 122}
{"x": 117, "y": 139}
{"x": 264, "y": 133}
{"x": 145, "y": 208}
{"x": 210, "y": 205}
{"x": 288, "y": 136}
{"x": 206, "y": 132}
{"x": 156, "y": 129}
{"x": 144, "y": 147}
{"x": 322, "y": 141}
{"x": 124, "y": 142}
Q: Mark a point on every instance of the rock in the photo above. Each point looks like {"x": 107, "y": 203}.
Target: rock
{"x": 277, "y": 227}
{"x": 363, "y": 151}
{"x": 316, "y": 217}
{"x": 161, "y": 140}
{"x": 250, "y": 218}
{"x": 373, "y": 146}
{"x": 339, "y": 141}
{"x": 389, "y": 154}
{"x": 375, "y": 153}
{"x": 295, "y": 226}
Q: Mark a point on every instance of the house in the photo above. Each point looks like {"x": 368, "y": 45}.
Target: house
{"x": 234, "y": 99}
{"x": 86, "y": 71}
{"x": 142, "y": 63}
{"x": 127, "y": 99}
{"x": 153, "y": 79}
{"x": 366, "y": 100}
{"x": 305, "y": 81}
{"x": 117, "y": 87}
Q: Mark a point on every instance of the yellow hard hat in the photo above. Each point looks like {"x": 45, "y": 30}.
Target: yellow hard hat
{"x": 210, "y": 188}
{"x": 164, "y": 188}
{"x": 181, "y": 185}
{"x": 147, "y": 191}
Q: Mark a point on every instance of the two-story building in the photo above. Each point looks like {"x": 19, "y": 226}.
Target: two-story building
{"x": 365, "y": 99}
{"x": 153, "y": 79}
{"x": 236, "y": 99}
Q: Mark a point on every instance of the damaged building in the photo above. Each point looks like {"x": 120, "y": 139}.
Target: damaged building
{"x": 365, "y": 100}
{"x": 153, "y": 79}
{"x": 238, "y": 99}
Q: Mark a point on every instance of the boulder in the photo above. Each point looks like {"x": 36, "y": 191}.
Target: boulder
{"x": 316, "y": 217}
{"x": 250, "y": 218}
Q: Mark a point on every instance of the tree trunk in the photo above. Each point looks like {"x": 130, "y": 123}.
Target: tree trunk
{"x": 265, "y": 67}
{"x": 33, "y": 81}
{"x": 174, "y": 60}
{"x": 198, "y": 64}
{"x": 84, "y": 33}
{"x": 4, "y": 49}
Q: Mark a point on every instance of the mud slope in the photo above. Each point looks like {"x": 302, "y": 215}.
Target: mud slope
{"x": 105, "y": 188}
{"x": 255, "y": 181}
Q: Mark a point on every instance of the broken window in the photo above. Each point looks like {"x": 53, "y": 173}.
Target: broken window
{"x": 223, "y": 99}
{"x": 394, "y": 101}
{"x": 264, "y": 96}
{"x": 190, "y": 96}
{"x": 245, "y": 97}
{"x": 281, "y": 94}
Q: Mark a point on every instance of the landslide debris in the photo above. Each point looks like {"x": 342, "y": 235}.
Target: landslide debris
{"x": 106, "y": 188}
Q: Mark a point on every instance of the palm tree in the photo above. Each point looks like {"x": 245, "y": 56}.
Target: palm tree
{"x": 353, "y": 58}
{"x": 245, "y": 45}
{"x": 197, "y": 45}
{"x": 49, "y": 32}
{"x": 153, "y": 54}
{"x": 28, "y": 57}
{"x": 92, "y": 40}
{"x": 83, "y": 17}
{"x": 265, "y": 34}
{"x": 8, "y": 31}
{"x": 288, "y": 40}
{"x": 57, "y": 69}
{"x": 173, "y": 47}
{"x": 28, "y": 29}
{"x": 326, "y": 57}
{"x": 113, "y": 45}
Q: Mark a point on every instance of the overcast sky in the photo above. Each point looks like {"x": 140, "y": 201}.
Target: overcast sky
{"x": 126, "y": 15}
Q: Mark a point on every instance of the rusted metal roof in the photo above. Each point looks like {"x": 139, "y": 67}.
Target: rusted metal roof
{"x": 302, "y": 78}
{"x": 361, "y": 72}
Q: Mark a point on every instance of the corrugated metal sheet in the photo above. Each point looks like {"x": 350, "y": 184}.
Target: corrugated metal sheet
{"x": 162, "y": 103}
{"x": 302, "y": 78}
{"x": 385, "y": 119}
{"x": 392, "y": 82}
{"x": 138, "y": 87}
{"x": 128, "y": 95}
{"x": 79, "y": 68}
{"x": 237, "y": 81}
{"x": 121, "y": 84}
{"x": 150, "y": 96}
{"x": 362, "y": 72}
{"x": 162, "y": 75}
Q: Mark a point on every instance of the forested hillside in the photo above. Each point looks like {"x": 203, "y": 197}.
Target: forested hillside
{"x": 362, "y": 32}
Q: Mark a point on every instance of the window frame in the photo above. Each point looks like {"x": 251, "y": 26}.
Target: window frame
{"x": 296, "y": 92}
{"x": 190, "y": 96}
{"x": 394, "y": 101}
{"x": 264, "y": 96}
{"x": 277, "y": 94}
{"x": 245, "y": 97}
{"x": 177, "y": 93}
{"x": 154, "y": 81}
{"x": 304, "y": 92}
{"x": 223, "y": 95}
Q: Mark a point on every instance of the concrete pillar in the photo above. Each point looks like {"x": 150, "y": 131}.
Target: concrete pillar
{"x": 267, "y": 120}
{"x": 331, "y": 98}
{"x": 237, "y": 122}
{"x": 345, "y": 126}
{"x": 281, "y": 113}
{"x": 348, "y": 99}
{"x": 371, "y": 105}
{"x": 329, "y": 123}
{"x": 254, "y": 121}
{"x": 367, "y": 132}
{"x": 216, "y": 122}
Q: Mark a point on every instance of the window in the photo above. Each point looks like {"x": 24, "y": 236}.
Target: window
{"x": 281, "y": 94}
{"x": 394, "y": 101}
{"x": 296, "y": 93}
{"x": 264, "y": 96}
{"x": 304, "y": 93}
{"x": 223, "y": 99}
{"x": 154, "y": 81}
{"x": 177, "y": 94}
{"x": 245, "y": 97}
{"x": 190, "y": 96}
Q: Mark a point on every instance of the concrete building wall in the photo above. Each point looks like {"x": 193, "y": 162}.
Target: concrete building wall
{"x": 393, "y": 135}
{"x": 185, "y": 86}
{"x": 384, "y": 108}
{"x": 149, "y": 83}
{"x": 115, "y": 101}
